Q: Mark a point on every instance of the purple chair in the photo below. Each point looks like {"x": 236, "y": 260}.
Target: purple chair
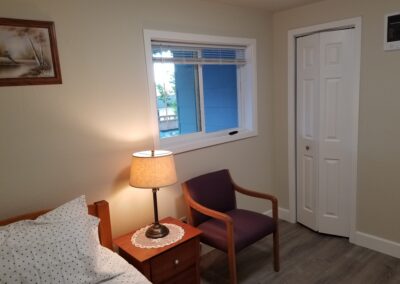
{"x": 211, "y": 204}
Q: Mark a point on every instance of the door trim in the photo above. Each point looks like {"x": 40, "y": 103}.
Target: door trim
{"x": 292, "y": 35}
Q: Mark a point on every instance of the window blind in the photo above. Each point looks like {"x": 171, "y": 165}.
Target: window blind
{"x": 180, "y": 53}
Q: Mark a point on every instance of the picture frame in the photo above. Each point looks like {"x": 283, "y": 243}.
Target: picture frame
{"x": 28, "y": 53}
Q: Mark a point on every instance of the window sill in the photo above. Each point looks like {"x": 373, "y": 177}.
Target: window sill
{"x": 186, "y": 145}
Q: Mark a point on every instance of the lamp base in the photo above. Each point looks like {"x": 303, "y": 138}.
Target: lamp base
{"x": 157, "y": 231}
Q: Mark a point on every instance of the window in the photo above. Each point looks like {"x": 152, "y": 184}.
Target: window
{"x": 202, "y": 89}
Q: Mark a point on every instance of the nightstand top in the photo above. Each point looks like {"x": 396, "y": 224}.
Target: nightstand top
{"x": 143, "y": 254}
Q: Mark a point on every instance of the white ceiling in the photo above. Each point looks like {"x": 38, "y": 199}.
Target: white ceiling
{"x": 270, "y": 5}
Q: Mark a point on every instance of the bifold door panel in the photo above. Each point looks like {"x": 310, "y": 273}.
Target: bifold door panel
{"x": 325, "y": 116}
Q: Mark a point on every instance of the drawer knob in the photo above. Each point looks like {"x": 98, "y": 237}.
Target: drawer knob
{"x": 176, "y": 261}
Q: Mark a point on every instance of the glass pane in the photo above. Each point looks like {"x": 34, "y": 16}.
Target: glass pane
{"x": 220, "y": 97}
{"x": 187, "y": 90}
{"x": 177, "y": 99}
{"x": 164, "y": 75}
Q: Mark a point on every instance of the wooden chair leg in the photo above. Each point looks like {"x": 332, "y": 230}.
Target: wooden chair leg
{"x": 276, "y": 250}
{"x": 232, "y": 265}
{"x": 231, "y": 253}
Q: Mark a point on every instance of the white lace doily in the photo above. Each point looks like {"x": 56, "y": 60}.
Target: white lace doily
{"x": 140, "y": 240}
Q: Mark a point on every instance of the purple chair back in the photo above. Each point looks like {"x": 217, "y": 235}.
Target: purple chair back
{"x": 213, "y": 190}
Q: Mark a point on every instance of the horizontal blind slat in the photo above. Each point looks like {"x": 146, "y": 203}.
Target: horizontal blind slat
{"x": 198, "y": 62}
{"x": 197, "y": 54}
{"x": 195, "y": 45}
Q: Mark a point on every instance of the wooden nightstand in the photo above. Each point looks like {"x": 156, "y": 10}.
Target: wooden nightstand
{"x": 175, "y": 263}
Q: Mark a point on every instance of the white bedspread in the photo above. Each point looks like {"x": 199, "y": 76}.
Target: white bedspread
{"x": 61, "y": 246}
{"x": 111, "y": 261}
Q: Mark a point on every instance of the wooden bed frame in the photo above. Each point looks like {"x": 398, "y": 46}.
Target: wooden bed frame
{"x": 99, "y": 209}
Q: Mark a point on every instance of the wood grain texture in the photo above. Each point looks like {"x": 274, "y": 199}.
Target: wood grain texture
{"x": 175, "y": 263}
{"x": 165, "y": 266}
{"x": 306, "y": 258}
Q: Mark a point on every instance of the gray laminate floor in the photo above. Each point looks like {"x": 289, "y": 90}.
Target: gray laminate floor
{"x": 306, "y": 257}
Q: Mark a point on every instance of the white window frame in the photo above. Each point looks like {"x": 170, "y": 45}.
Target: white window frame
{"x": 247, "y": 93}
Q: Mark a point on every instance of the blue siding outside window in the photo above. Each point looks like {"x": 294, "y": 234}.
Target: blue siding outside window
{"x": 220, "y": 97}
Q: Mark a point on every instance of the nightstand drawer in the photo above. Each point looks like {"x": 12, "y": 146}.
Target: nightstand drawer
{"x": 186, "y": 277}
{"x": 174, "y": 261}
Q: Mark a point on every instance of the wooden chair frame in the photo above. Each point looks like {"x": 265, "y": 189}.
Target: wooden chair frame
{"x": 192, "y": 204}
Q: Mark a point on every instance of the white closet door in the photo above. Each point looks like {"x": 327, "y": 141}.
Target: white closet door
{"x": 336, "y": 128}
{"x": 325, "y": 104}
{"x": 308, "y": 56}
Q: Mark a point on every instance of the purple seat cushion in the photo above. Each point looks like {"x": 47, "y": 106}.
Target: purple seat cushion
{"x": 248, "y": 227}
{"x": 213, "y": 190}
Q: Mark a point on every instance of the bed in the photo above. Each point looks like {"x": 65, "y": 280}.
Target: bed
{"x": 69, "y": 244}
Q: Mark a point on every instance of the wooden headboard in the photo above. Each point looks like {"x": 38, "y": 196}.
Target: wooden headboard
{"x": 99, "y": 209}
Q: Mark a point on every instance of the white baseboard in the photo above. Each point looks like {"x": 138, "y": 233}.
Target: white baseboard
{"x": 376, "y": 243}
{"x": 283, "y": 213}
{"x": 361, "y": 239}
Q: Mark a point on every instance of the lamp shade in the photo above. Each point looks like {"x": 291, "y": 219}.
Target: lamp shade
{"x": 152, "y": 169}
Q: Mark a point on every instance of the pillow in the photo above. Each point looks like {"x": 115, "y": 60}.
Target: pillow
{"x": 57, "y": 247}
{"x": 71, "y": 209}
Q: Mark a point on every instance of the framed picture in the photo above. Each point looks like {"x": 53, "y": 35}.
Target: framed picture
{"x": 28, "y": 53}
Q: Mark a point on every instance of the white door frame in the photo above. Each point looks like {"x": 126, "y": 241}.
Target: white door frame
{"x": 292, "y": 35}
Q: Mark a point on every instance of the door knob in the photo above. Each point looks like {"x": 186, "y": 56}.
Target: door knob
{"x": 307, "y": 147}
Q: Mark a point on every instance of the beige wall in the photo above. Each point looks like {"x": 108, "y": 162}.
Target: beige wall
{"x": 378, "y": 194}
{"x": 61, "y": 141}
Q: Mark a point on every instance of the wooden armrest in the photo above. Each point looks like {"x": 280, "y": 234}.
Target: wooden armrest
{"x": 204, "y": 210}
{"x": 256, "y": 194}
{"x": 191, "y": 203}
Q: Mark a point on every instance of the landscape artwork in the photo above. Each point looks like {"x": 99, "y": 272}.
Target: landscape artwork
{"x": 28, "y": 53}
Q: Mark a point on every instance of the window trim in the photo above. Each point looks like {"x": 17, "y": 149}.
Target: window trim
{"x": 247, "y": 113}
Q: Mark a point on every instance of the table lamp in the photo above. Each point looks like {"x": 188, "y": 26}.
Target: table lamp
{"x": 153, "y": 169}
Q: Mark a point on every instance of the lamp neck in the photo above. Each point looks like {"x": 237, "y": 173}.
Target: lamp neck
{"x": 155, "y": 205}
